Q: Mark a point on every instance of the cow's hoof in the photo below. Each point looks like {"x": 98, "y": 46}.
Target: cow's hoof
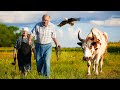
{"x": 96, "y": 73}
{"x": 101, "y": 72}
{"x": 88, "y": 74}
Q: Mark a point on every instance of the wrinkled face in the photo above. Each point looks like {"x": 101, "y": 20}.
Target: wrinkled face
{"x": 46, "y": 20}
{"x": 24, "y": 33}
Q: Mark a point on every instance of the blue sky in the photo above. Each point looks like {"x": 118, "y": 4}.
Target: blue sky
{"x": 108, "y": 21}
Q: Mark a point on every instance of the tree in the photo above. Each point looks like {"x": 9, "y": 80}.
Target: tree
{"x": 8, "y": 35}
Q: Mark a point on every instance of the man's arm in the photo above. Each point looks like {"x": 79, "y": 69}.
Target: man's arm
{"x": 57, "y": 48}
{"x": 56, "y": 42}
{"x": 31, "y": 35}
{"x": 55, "y": 38}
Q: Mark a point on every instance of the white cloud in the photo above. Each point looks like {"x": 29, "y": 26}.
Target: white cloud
{"x": 20, "y": 16}
{"x": 112, "y": 22}
{"x": 109, "y": 22}
{"x": 96, "y": 22}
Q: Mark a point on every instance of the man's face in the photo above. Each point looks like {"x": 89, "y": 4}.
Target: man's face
{"x": 46, "y": 20}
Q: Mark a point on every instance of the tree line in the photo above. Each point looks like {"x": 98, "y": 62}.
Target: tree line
{"x": 8, "y": 35}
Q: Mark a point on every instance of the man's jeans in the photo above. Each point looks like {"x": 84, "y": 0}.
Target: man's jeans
{"x": 43, "y": 56}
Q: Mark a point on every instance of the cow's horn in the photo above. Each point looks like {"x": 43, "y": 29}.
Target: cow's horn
{"x": 79, "y": 36}
{"x": 94, "y": 37}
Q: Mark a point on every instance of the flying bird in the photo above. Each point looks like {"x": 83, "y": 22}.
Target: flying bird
{"x": 68, "y": 21}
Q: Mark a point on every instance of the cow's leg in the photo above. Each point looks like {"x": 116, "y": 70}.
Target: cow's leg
{"x": 101, "y": 64}
{"x": 89, "y": 64}
{"x": 96, "y": 65}
{"x": 93, "y": 65}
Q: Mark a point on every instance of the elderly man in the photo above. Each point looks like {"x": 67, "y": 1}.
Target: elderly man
{"x": 44, "y": 32}
{"x": 24, "y": 51}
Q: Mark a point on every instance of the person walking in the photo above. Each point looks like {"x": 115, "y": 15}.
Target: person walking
{"x": 23, "y": 51}
{"x": 45, "y": 33}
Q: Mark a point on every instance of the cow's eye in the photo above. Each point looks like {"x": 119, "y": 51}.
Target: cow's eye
{"x": 93, "y": 43}
{"x": 90, "y": 47}
{"x": 96, "y": 48}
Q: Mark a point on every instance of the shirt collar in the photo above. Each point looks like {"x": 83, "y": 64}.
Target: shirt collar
{"x": 47, "y": 25}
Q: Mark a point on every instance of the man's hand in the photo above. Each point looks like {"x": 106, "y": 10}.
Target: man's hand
{"x": 58, "y": 51}
{"x": 57, "y": 47}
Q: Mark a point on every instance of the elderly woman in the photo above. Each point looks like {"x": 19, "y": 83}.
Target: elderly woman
{"x": 24, "y": 51}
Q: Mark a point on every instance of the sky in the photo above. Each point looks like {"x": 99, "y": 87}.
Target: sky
{"x": 107, "y": 21}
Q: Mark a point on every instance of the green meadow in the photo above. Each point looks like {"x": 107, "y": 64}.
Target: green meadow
{"x": 69, "y": 66}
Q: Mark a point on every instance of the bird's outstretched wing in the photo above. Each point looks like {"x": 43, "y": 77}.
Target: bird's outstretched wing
{"x": 62, "y": 23}
{"x": 73, "y": 19}
{"x": 69, "y": 21}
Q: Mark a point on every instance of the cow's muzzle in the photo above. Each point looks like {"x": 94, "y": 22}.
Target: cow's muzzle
{"x": 86, "y": 58}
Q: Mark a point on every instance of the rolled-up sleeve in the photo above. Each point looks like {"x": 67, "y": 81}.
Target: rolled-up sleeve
{"x": 33, "y": 31}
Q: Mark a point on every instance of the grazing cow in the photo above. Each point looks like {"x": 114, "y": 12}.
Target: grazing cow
{"x": 94, "y": 48}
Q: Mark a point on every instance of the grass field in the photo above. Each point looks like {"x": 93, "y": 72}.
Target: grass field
{"x": 70, "y": 65}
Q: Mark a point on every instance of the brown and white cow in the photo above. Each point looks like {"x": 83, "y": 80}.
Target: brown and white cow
{"x": 94, "y": 48}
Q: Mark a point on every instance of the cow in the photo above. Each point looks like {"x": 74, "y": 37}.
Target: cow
{"x": 94, "y": 48}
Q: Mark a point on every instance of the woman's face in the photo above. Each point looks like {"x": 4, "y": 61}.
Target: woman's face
{"x": 24, "y": 33}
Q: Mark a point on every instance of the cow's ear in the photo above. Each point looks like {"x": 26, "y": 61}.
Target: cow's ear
{"x": 79, "y": 43}
{"x": 93, "y": 43}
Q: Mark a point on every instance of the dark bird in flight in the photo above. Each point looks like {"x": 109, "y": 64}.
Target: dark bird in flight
{"x": 68, "y": 21}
